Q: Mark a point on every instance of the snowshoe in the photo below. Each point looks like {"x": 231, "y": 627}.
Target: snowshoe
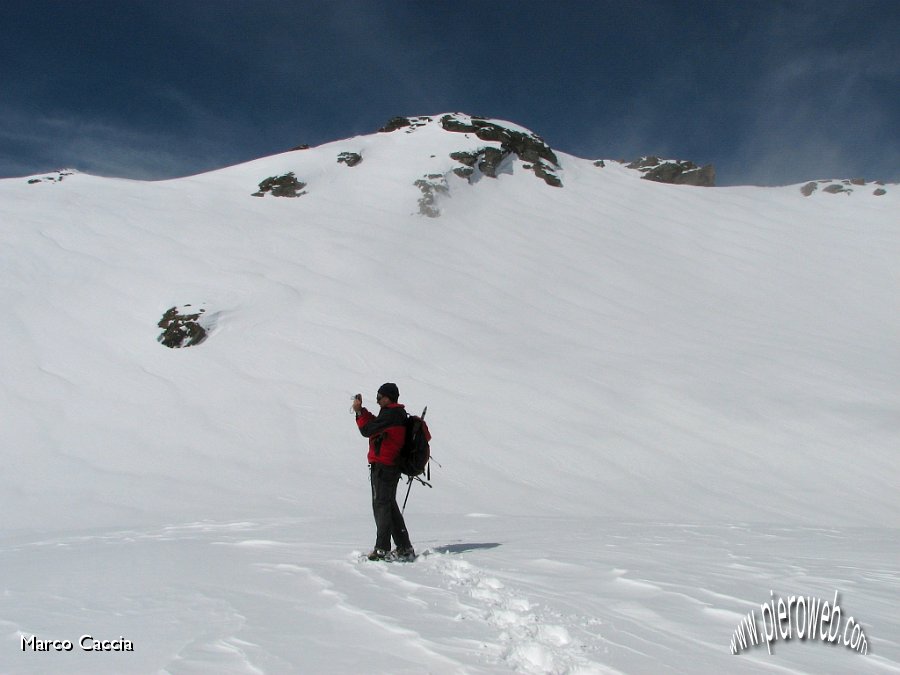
{"x": 377, "y": 554}
{"x": 407, "y": 554}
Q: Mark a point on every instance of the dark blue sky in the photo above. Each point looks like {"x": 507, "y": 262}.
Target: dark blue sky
{"x": 770, "y": 91}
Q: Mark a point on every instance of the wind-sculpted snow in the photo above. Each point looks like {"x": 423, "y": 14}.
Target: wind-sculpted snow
{"x": 493, "y": 595}
{"x": 610, "y": 356}
{"x": 645, "y": 349}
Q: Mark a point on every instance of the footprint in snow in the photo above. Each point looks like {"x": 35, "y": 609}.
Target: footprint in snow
{"x": 531, "y": 641}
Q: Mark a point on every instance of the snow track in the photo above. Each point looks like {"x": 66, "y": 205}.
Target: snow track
{"x": 532, "y": 637}
{"x": 505, "y": 626}
{"x": 489, "y": 597}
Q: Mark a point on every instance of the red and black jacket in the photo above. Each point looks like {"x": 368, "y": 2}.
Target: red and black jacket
{"x": 386, "y": 432}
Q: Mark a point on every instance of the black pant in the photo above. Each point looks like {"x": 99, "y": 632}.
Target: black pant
{"x": 388, "y": 518}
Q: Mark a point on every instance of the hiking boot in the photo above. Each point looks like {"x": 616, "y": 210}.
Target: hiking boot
{"x": 377, "y": 554}
{"x": 403, "y": 554}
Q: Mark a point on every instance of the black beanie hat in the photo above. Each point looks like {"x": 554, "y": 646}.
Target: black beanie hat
{"x": 390, "y": 390}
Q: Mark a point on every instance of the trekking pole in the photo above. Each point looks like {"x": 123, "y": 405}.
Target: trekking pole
{"x": 409, "y": 483}
{"x": 409, "y": 487}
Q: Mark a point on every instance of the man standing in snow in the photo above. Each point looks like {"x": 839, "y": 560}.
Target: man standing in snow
{"x": 386, "y": 434}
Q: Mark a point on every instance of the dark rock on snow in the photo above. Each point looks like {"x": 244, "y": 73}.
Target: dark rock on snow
{"x": 675, "y": 172}
{"x": 845, "y": 187}
{"x": 57, "y": 177}
{"x": 487, "y": 160}
{"x": 281, "y": 186}
{"x": 809, "y": 188}
{"x": 349, "y": 158}
{"x": 181, "y": 329}
{"x": 395, "y": 123}
{"x": 527, "y": 147}
{"x": 408, "y": 123}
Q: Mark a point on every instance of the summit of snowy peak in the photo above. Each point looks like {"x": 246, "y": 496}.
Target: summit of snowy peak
{"x": 513, "y": 140}
{"x": 456, "y": 122}
{"x": 426, "y": 164}
{"x": 438, "y": 155}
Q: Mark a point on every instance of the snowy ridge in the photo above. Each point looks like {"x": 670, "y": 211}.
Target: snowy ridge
{"x": 665, "y": 401}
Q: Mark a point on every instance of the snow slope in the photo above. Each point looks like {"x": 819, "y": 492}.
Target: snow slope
{"x": 652, "y": 405}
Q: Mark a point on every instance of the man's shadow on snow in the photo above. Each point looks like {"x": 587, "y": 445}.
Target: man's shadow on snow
{"x": 463, "y": 548}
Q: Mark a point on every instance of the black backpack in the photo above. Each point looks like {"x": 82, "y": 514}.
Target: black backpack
{"x": 414, "y": 456}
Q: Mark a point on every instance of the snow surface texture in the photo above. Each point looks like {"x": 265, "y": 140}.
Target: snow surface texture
{"x": 652, "y": 406}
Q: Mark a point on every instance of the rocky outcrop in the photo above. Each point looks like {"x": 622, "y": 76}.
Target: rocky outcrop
{"x": 674, "y": 171}
{"x": 395, "y": 123}
{"x": 845, "y": 187}
{"x": 809, "y": 188}
{"x": 527, "y": 147}
{"x": 281, "y": 186}
{"x": 545, "y": 173}
{"x": 182, "y": 328}
{"x": 486, "y": 160}
{"x": 349, "y": 158}
{"x": 412, "y": 123}
{"x": 468, "y": 159}
{"x": 56, "y": 177}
